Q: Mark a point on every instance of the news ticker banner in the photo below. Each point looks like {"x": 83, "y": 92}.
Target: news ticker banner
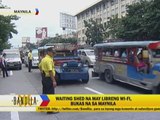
{"x": 10, "y": 11}
{"x": 80, "y": 103}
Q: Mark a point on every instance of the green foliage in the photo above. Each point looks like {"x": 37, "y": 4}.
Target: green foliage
{"x": 58, "y": 40}
{"x": 45, "y": 41}
{"x": 115, "y": 27}
{"x": 140, "y": 23}
{"x": 30, "y": 46}
{"x": 7, "y": 29}
{"x": 95, "y": 31}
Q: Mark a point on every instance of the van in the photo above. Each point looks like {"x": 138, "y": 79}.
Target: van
{"x": 13, "y": 60}
{"x": 35, "y": 59}
{"x": 87, "y": 56}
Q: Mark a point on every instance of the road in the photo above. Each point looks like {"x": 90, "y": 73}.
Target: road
{"x": 22, "y": 82}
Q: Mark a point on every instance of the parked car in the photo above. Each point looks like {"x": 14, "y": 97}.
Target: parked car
{"x": 35, "y": 59}
{"x": 87, "y": 56}
{"x": 13, "y": 60}
{"x": 26, "y": 59}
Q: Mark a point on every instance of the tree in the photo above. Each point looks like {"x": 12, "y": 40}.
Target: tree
{"x": 135, "y": 21}
{"x": 58, "y": 40}
{"x": 31, "y": 46}
{"x": 68, "y": 40}
{"x": 152, "y": 17}
{"x": 140, "y": 23}
{"x": 45, "y": 41}
{"x": 7, "y": 29}
{"x": 95, "y": 31}
{"x": 115, "y": 28}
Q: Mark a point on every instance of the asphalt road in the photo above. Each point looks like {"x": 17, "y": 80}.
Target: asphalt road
{"x": 22, "y": 82}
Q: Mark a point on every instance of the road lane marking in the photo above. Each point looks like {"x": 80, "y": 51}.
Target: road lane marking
{"x": 92, "y": 90}
{"x": 14, "y": 115}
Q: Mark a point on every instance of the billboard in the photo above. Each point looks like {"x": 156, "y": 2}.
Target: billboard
{"x": 25, "y": 40}
{"x": 67, "y": 21}
{"x": 41, "y": 32}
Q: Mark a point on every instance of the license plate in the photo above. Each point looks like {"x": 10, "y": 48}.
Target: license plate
{"x": 73, "y": 70}
{"x": 11, "y": 65}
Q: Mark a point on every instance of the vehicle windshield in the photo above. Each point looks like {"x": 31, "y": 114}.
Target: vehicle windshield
{"x": 156, "y": 53}
{"x": 12, "y": 56}
{"x": 35, "y": 54}
{"x": 90, "y": 53}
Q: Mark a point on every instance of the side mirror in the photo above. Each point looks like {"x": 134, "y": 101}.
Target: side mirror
{"x": 85, "y": 65}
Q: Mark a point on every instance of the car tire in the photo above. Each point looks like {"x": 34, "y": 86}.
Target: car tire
{"x": 86, "y": 80}
{"x": 108, "y": 76}
{"x": 156, "y": 90}
{"x": 87, "y": 63}
{"x": 101, "y": 76}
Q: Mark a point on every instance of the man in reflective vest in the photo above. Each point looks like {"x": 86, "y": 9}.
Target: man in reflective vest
{"x": 47, "y": 66}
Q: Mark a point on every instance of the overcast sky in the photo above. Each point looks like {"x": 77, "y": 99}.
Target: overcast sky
{"x": 48, "y": 17}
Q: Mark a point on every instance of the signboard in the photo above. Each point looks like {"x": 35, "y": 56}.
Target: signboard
{"x": 41, "y": 32}
{"x": 67, "y": 21}
{"x": 25, "y": 40}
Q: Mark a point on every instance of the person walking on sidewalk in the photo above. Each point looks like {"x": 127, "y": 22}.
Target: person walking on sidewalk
{"x": 29, "y": 61}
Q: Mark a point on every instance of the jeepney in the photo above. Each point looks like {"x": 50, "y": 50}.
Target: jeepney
{"x": 136, "y": 63}
{"x": 67, "y": 63}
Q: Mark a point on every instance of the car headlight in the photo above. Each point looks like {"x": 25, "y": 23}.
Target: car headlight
{"x": 65, "y": 65}
{"x": 79, "y": 64}
{"x": 92, "y": 60}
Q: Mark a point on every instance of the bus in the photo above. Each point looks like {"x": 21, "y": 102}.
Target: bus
{"x": 136, "y": 63}
{"x": 67, "y": 63}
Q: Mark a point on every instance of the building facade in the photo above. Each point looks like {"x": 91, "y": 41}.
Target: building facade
{"x": 104, "y": 9}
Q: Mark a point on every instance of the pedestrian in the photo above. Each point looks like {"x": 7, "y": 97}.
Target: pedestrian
{"x": 0, "y": 65}
{"x": 29, "y": 61}
{"x": 48, "y": 68}
{"x": 4, "y": 66}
